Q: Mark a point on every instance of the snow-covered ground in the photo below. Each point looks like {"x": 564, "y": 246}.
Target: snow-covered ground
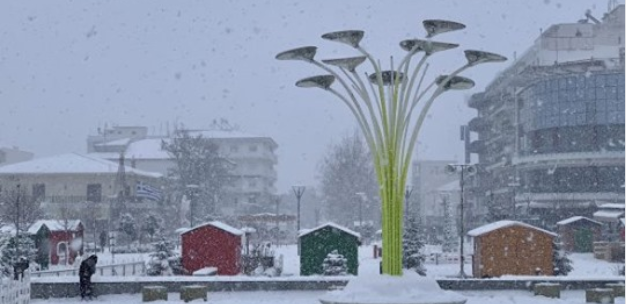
{"x": 311, "y": 297}
{"x": 585, "y": 267}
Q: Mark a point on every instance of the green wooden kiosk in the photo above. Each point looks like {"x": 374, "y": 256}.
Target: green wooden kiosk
{"x": 317, "y": 243}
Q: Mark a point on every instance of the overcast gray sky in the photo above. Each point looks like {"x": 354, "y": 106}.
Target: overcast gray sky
{"x": 68, "y": 67}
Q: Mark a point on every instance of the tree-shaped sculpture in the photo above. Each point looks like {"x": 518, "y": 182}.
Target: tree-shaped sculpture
{"x": 385, "y": 112}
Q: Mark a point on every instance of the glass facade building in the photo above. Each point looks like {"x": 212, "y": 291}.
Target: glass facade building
{"x": 549, "y": 134}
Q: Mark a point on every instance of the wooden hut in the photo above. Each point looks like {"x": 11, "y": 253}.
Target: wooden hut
{"x": 65, "y": 239}
{"x": 510, "y": 247}
{"x": 578, "y": 233}
{"x": 317, "y": 243}
{"x": 212, "y": 244}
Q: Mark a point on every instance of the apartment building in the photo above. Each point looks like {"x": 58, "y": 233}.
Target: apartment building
{"x": 549, "y": 134}
{"x": 254, "y": 159}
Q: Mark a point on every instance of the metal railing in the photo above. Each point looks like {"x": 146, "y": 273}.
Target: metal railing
{"x": 122, "y": 269}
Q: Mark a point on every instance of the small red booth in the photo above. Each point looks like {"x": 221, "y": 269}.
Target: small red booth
{"x": 65, "y": 242}
{"x": 212, "y": 244}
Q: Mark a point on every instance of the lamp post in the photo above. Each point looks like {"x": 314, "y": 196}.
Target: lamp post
{"x": 277, "y": 201}
{"x": 362, "y": 198}
{"x": 192, "y": 199}
{"x": 298, "y": 191}
{"x": 462, "y": 169}
{"x": 407, "y": 194}
{"x": 513, "y": 186}
{"x": 383, "y": 106}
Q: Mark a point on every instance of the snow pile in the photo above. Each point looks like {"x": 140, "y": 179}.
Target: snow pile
{"x": 409, "y": 288}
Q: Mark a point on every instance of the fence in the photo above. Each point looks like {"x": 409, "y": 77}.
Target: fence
{"x": 122, "y": 269}
{"x": 446, "y": 258}
{"x": 15, "y": 291}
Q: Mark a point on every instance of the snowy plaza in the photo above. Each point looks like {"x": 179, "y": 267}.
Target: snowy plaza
{"x": 586, "y": 268}
{"x": 303, "y": 151}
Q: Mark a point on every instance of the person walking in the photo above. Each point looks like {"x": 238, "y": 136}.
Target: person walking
{"x": 87, "y": 269}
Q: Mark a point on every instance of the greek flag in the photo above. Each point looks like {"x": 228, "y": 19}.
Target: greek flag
{"x": 148, "y": 192}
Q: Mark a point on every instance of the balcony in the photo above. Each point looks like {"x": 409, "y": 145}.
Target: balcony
{"x": 477, "y": 101}
{"x": 476, "y": 146}
{"x": 477, "y": 124}
{"x": 572, "y": 158}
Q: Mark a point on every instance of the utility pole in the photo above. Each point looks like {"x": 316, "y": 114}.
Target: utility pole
{"x": 298, "y": 191}
{"x": 277, "y": 219}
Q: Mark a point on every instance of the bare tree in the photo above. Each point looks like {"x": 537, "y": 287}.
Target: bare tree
{"x": 66, "y": 214}
{"x": 348, "y": 182}
{"x": 19, "y": 209}
{"x": 200, "y": 172}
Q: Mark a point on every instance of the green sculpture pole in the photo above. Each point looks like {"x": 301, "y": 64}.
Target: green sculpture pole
{"x": 383, "y": 105}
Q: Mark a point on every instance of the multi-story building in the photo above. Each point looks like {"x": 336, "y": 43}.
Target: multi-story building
{"x": 550, "y": 128}
{"x": 76, "y": 185}
{"x": 254, "y": 158}
{"x": 12, "y": 155}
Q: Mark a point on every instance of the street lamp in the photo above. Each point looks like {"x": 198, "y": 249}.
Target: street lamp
{"x": 462, "y": 169}
{"x": 383, "y": 106}
{"x": 298, "y": 191}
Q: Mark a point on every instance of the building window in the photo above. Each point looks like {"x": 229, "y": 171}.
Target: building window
{"x": 94, "y": 193}
{"x": 253, "y": 148}
{"x": 234, "y": 149}
{"x": 39, "y": 191}
{"x": 252, "y": 184}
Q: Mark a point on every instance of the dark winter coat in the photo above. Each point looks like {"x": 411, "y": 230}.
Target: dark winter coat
{"x": 88, "y": 267}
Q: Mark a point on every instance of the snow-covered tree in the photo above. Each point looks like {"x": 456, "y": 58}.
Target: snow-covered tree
{"x": 335, "y": 264}
{"x": 128, "y": 226}
{"x": 347, "y": 169}
{"x": 200, "y": 172}
{"x": 561, "y": 264}
{"x": 18, "y": 208}
{"x": 151, "y": 226}
{"x": 162, "y": 260}
{"x": 14, "y": 248}
{"x": 450, "y": 239}
{"x": 412, "y": 258}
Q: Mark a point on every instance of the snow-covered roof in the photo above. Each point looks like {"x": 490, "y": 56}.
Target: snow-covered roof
{"x": 450, "y": 187}
{"x": 329, "y": 224}
{"x": 105, "y": 155}
{"x": 54, "y": 225}
{"x": 116, "y": 142}
{"x": 182, "y": 230}
{"x": 608, "y": 214}
{"x": 70, "y": 163}
{"x": 502, "y": 224}
{"x": 612, "y": 206}
{"x": 8, "y": 229}
{"x": 149, "y": 148}
{"x": 223, "y": 134}
{"x": 219, "y": 225}
{"x": 575, "y": 219}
